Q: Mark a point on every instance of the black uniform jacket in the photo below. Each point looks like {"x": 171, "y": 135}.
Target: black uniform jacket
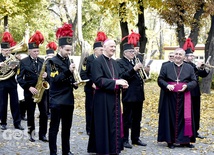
{"x": 61, "y": 81}
{"x": 198, "y": 73}
{"x": 135, "y": 92}
{"x": 10, "y": 82}
{"x": 28, "y": 75}
{"x": 85, "y": 72}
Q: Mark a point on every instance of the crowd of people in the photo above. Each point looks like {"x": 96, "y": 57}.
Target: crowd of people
{"x": 109, "y": 83}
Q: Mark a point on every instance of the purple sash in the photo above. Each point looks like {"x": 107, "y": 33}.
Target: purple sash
{"x": 187, "y": 108}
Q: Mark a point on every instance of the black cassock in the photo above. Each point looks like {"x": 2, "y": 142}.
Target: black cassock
{"x": 105, "y": 135}
{"x": 171, "y": 117}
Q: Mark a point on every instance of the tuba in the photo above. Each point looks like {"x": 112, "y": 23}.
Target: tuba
{"x": 41, "y": 85}
{"x": 6, "y": 72}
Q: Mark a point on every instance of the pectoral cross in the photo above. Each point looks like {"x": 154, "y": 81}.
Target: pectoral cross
{"x": 177, "y": 80}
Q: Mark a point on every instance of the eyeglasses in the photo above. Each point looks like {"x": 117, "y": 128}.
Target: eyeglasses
{"x": 171, "y": 56}
{"x": 131, "y": 51}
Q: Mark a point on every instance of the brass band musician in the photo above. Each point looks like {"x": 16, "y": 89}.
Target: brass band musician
{"x": 133, "y": 97}
{"x": 195, "y": 93}
{"x": 85, "y": 73}
{"x": 30, "y": 68}
{"x": 61, "y": 74}
{"x": 8, "y": 84}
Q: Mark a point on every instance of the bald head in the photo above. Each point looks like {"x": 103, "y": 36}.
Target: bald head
{"x": 109, "y": 41}
{"x": 179, "y": 55}
{"x": 109, "y": 47}
{"x": 180, "y": 50}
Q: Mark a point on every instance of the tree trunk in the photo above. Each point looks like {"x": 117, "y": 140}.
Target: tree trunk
{"x": 161, "y": 42}
{"x": 195, "y": 26}
{"x": 79, "y": 20}
{"x": 6, "y": 22}
{"x": 81, "y": 41}
{"x": 142, "y": 28}
{"x": 123, "y": 26}
{"x": 180, "y": 34}
{"x": 209, "y": 51}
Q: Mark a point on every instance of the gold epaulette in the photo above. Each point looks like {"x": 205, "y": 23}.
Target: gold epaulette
{"x": 54, "y": 73}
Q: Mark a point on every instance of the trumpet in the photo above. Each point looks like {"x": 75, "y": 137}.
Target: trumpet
{"x": 204, "y": 65}
{"x": 141, "y": 72}
{"x": 76, "y": 75}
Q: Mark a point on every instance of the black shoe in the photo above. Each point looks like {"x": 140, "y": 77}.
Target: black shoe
{"x": 19, "y": 127}
{"x": 69, "y": 153}
{"x": 199, "y": 136}
{"x": 31, "y": 139}
{"x": 23, "y": 118}
{"x": 4, "y": 127}
{"x": 171, "y": 146}
{"x": 188, "y": 145}
{"x": 127, "y": 145}
{"x": 44, "y": 139}
{"x": 139, "y": 142}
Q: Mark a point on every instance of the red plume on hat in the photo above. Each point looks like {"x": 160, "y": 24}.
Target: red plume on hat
{"x": 133, "y": 38}
{"x": 7, "y": 37}
{"x": 188, "y": 44}
{"x": 37, "y": 38}
{"x": 64, "y": 31}
{"x": 51, "y": 45}
{"x": 101, "y": 36}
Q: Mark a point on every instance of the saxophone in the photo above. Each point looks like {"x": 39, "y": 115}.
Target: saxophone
{"x": 41, "y": 85}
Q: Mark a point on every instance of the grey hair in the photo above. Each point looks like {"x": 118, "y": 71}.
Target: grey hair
{"x": 180, "y": 49}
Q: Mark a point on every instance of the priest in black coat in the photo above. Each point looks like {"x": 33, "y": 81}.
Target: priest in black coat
{"x": 176, "y": 123}
{"x": 106, "y": 130}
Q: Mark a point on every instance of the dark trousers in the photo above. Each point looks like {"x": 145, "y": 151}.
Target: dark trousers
{"x": 132, "y": 114}
{"x": 43, "y": 118}
{"x": 23, "y": 108}
{"x": 65, "y": 114}
{"x": 88, "y": 109}
{"x": 196, "y": 104}
{"x": 48, "y": 103}
{"x": 14, "y": 105}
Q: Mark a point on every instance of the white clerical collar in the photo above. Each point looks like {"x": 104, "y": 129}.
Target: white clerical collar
{"x": 178, "y": 64}
{"x": 106, "y": 56}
